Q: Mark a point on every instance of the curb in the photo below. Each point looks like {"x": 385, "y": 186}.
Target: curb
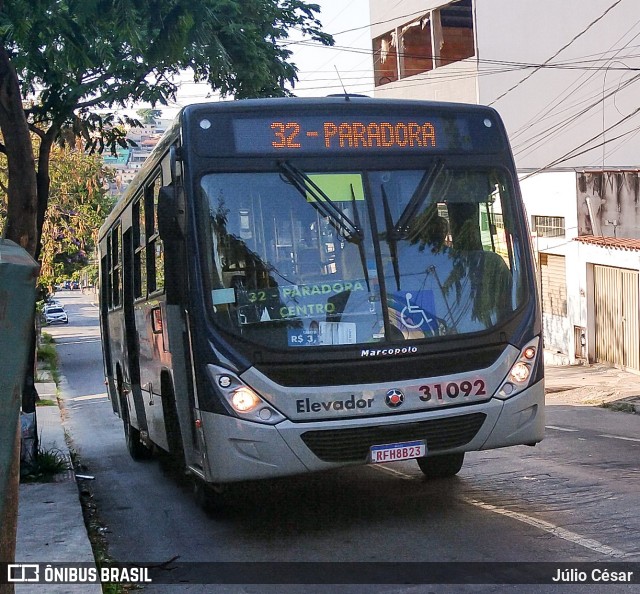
{"x": 51, "y": 526}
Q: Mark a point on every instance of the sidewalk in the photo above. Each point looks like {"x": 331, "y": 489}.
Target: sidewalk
{"x": 593, "y": 385}
{"x": 50, "y": 523}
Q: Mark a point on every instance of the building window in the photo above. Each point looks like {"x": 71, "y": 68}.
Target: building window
{"x": 385, "y": 59}
{"x": 456, "y": 24}
{"x": 548, "y": 226}
{"x": 436, "y": 39}
{"x": 416, "y": 55}
{"x": 553, "y": 281}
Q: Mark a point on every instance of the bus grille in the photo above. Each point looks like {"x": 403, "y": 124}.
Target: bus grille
{"x": 352, "y": 445}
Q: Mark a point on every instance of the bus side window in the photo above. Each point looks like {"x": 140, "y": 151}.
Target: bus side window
{"x": 139, "y": 250}
{"x": 155, "y": 246}
{"x": 116, "y": 267}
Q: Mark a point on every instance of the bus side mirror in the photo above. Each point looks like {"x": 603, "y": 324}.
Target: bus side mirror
{"x": 168, "y": 214}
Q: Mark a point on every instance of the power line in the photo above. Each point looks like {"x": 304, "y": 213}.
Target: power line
{"x": 560, "y": 50}
{"x": 404, "y": 16}
{"x": 562, "y": 126}
{"x": 572, "y": 154}
{"x": 550, "y": 107}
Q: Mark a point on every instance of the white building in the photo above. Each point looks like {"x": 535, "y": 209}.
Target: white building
{"x": 565, "y": 78}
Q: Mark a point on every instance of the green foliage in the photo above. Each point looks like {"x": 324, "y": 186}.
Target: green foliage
{"x": 78, "y": 203}
{"x": 78, "y": 56}
{"x": 46, "y": 402}
{"x": 47, "y": 354}
{"x": 149, "y": 116}
{"x": 45, "y": 465}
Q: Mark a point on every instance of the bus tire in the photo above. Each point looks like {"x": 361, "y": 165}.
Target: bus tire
{"x": 435, "y": 467}
{"x": 137, "y": 450}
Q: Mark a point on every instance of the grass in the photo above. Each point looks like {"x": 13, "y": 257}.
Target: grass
{"x": 45, "y": 466}
{"x": 626, "y": 407}
{"x": 46, "y": 402}
{"x": 48, "y": 355}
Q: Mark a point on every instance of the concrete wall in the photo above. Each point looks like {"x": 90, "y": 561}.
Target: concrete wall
{"x": 540, "y": 105}
{"x": 454, "y": 82}
{"x": 586, "y": 85}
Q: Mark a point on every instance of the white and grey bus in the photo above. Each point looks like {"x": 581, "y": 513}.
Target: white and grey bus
{"x": 292, "y": 285}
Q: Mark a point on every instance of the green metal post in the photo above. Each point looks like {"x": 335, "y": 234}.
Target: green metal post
{"x": 18, "y": 273}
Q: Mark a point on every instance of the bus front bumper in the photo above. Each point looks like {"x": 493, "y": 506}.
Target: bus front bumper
{"x": 241, "y": 450}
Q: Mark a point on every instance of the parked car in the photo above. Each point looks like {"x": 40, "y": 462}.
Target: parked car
{"x": 55, "y": 315}
{"x": 75, "y": 285}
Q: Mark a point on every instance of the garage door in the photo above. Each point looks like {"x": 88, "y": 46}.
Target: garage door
{"x": 617, "y": 334}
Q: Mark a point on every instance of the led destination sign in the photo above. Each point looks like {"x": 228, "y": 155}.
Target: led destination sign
{"x": 364, "y": 133}
{"x": 356, "y": 134}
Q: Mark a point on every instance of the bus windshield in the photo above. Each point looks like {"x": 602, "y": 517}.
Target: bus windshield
{"x": 302, "y": 259}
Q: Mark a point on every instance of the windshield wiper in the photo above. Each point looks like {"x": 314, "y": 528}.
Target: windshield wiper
{"x": 350, "y": 230}
{"x": 392, "y": 236}
{"x": 396, "y": 231}
{"x": 419, "y": 194}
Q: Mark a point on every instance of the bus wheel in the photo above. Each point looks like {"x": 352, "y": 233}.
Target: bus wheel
{"x": 210, "y": 498}
{"x": 434, "y": 467}
{"x": 137, "y": 450}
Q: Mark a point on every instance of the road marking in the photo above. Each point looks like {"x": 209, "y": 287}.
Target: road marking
{"x": 83, "y": 341}
{"x": 89, "y": 397}
{"x": 568, "y": 535}
{"x": 397, "y": 473}
{"x": 619, "y": 437}
{"x": 560, "y": 428}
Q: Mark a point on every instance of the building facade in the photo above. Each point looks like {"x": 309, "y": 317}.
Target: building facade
{"x": 564, "y": 77}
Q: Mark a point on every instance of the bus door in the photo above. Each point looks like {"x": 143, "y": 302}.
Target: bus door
{"x": 131, "y": 333}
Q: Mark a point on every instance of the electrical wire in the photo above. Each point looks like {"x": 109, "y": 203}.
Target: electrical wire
{"x": 559, "y": 51}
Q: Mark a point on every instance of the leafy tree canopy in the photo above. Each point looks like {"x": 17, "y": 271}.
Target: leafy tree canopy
{"x": 149, "y": 116}
{"x": 76, "y": 55}
{"x": 74, "y": 59}
{"x": 79, "y": 200}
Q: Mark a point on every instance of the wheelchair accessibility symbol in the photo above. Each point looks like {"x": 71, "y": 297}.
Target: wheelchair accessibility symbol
{"x": 415, "y": 311}
{"x": 410, "y": 313}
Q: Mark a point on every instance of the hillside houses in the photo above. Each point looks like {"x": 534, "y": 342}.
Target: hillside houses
{"x": 127, "y": 162}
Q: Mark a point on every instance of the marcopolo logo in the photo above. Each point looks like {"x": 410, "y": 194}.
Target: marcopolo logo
{"x": 394, "y": 398}
{"x": 390, "y": 352}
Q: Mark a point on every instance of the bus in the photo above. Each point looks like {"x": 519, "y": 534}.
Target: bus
{"x": 292, "y": 285}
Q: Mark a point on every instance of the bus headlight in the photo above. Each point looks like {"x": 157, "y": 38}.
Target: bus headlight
{"x": 244, "y": 402}
{"x": 520, "y": 374}
{"x": 244, "y": 399}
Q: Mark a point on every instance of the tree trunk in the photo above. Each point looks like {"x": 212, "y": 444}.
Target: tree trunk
{"x": 43, "y": 182}
{"x": 22, "y": 196}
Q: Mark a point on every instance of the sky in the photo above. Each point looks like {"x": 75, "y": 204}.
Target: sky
{"x": 348, "y": 21}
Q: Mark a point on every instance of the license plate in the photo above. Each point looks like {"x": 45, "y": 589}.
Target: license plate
{"x": 393, "y": 452}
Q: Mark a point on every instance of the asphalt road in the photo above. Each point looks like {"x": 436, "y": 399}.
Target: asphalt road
{"x": 573, "y": 498}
